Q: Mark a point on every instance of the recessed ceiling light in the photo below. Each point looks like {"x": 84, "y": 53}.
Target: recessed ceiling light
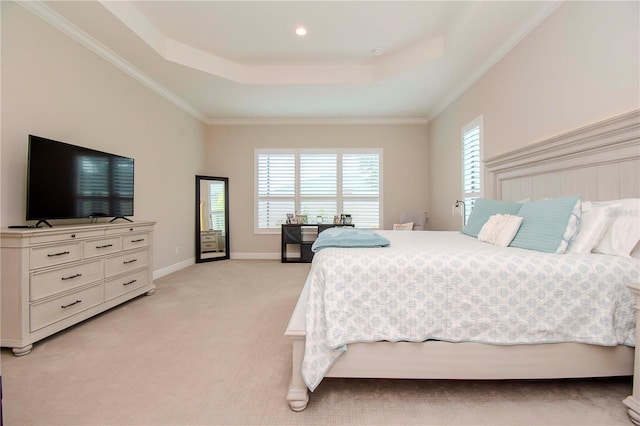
{"x": 301, "y": 31}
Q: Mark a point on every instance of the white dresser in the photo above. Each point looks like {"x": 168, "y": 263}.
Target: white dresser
{"x": 55, "y": 277}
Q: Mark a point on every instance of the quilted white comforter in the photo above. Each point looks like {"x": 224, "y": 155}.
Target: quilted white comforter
{"x": 448, "y": 286}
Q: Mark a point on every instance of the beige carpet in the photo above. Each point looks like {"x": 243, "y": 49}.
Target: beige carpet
{"x": 208, "y": 348}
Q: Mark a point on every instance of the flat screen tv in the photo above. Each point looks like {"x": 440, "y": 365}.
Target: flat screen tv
{"x": 66, "y": 181}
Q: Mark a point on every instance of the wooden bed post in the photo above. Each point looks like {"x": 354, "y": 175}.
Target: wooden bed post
{"x": 633, "y": 401}
{"x": 298, "y": 396}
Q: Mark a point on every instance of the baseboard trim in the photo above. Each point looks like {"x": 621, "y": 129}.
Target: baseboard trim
{"x": 159, "y": 273}
{"x": 259, "y": 256}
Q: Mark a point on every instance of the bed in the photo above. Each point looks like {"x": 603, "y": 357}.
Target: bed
{"x": 599, "y": 162}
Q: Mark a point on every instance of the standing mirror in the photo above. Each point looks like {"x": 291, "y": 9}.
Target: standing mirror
{"x": 212, "y": 218}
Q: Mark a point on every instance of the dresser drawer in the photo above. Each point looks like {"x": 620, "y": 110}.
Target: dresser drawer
{"x": 126, "y": 262}
{"x": 65, "y": 236}
{"x": 122, "y": 285}
{"x": 102, "y": 246}
{"x": 55, "y": 255}
{"x": 135, "y": 240}
{"x": 51, "y": 282}
{"x": 54, "y": 310}
{"x": 129, "y": 230}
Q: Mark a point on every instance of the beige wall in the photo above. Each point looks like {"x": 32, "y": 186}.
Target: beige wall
{"x": 54, "y": 87}
{"x": 579, "y": 66}
{"x": 230, "y": 153}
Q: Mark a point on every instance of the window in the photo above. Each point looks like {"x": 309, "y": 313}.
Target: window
{"x": 471, "y": 164}
{"x": 318, "y": 183}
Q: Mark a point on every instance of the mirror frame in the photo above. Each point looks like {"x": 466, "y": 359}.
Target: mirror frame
{"x": 199, "y": 180}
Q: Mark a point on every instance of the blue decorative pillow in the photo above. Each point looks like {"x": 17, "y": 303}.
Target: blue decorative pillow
{"x": 348, "y": 237}
{"x": 548, "y": 225}
{"x": 483, "y": 209}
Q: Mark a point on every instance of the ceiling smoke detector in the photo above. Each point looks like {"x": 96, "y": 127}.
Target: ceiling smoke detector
{"x": 377, "y": 52}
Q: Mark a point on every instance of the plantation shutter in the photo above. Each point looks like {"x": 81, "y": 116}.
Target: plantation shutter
{"x": 361, "y": 188}
{"x": 275, "y": 188}
{"x": 318, "y": 185}
{"x": 471, "y": 164}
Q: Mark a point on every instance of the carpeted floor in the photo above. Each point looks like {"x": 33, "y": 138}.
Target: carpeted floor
{"x": 208, "y": 349}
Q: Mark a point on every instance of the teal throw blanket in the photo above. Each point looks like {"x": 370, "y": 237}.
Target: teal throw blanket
{"x": 348, "y": 237}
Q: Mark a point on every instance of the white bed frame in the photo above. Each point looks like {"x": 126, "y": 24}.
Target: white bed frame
{"x": 600, "y": 162}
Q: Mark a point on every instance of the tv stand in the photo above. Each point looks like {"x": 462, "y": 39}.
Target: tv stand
{"x": 120, "y": 217}
{"x": 37, "y": 225}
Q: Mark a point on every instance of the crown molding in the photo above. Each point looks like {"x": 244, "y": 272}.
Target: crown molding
{"x": 543, "y": 13}
{"x": 44, "y": 12}
{"x": 315, "y": 121}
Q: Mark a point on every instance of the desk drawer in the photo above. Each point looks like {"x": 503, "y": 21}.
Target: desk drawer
{"x": 122, "y": 285}
{"x": 126, "y": 262}
{"x": 49, "y": 283}
{"x": 47, "y": 313}
{"x": 55, "y": 255}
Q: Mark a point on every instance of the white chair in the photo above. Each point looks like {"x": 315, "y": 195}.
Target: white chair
{"x": 420, "y": 219}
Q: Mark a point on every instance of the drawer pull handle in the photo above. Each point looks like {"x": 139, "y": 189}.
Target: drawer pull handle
{"x": 139, "y": 240}
{"x": 58, "y": 254}
{"x": 71, "y": 277}
{"x": 104, "y": 246}
{"x": 130, "y": 261}
{"x": 71, "y": 304}
{"x": 130, "y": 282}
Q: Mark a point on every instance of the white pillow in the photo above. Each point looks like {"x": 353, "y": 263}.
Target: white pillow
{"x": 635, "y": 253}
{"x": 594, "y": 222}
{"x": 403, "y": 226}
{"x": 624, "y": 232}
{"x": 500, "y": 229}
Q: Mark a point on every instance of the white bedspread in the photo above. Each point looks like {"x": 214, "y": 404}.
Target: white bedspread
{"x": 449, "y": 286}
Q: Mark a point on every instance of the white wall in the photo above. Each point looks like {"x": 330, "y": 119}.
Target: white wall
{"x": 579, "y": 66}
{"x": 56, "y": 88}
{"x": 230, "y": 153}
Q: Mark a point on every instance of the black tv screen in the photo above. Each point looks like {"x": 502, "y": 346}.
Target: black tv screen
{"x": 66, "y": 181}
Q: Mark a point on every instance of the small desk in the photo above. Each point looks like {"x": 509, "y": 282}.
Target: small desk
{"x": 302, "y": 235}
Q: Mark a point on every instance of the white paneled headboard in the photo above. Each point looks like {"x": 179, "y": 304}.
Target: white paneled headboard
{"x": 599, "y": 162}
